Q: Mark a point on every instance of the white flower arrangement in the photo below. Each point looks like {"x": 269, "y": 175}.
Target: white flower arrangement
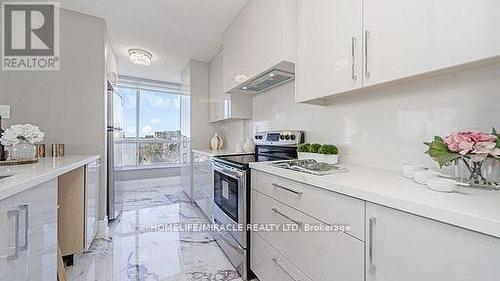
{"x": 27, "y": 132}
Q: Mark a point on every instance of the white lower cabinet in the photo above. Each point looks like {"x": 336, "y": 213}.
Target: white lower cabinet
{"x": 267, "y": 263}
{"x": 28, "y": 234}
{"x": 319, "y": 255}
{"x": 402, "y": 246}
{"x": 203, "y": 183}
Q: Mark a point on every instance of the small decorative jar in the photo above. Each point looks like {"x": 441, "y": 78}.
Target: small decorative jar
{"x": 23, "y": 150}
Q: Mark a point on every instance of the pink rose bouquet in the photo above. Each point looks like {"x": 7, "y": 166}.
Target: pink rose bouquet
{"x": 470, "y": 145}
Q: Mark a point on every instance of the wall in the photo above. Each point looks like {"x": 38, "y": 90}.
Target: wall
{"x": 387, "y": 127}
{"x": 233, "y": 132}
{"x": 68, "y": 105}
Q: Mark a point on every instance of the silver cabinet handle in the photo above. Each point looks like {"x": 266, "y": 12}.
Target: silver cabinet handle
{"x": 277, "y": 262}
{"x": 353, "y": 54}
{"x": 287, "y": 189}
{"x": 371, "y": 229}
{"x": 13, "y": 214}
{"x": 26, "y": 227}
{"x": 367, "y": 37}
{"x": 277, "y": 211}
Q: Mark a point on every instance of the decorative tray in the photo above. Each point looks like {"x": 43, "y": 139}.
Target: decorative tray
{"x": 309, "y": 166}
{"x": 18, "y": 162}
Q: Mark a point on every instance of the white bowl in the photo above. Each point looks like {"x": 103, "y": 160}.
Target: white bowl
{"x": 443, "y": 184}
{"x": 421, "y": 176}
{"x": 408, "y": 170}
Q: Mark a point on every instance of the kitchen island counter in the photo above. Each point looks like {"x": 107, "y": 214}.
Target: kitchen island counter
{"x": 23, "y": 177}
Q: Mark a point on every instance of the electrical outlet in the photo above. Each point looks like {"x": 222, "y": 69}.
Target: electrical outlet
{"x": 5, "y": 111}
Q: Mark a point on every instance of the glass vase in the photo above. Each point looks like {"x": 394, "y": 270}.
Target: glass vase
{"x": 482, "y": 174}
{"x": 23, "y": 150}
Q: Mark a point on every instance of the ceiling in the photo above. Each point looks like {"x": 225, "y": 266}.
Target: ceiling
{"x": 172, "y": 30}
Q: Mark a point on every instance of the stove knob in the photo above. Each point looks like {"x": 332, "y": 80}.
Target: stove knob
{"x": 292, "y": 137}
{"x": 261, "y": 137}
{"x": 287, "y": 137}
{"x": 256, "y": 137}
{"x": 282, "y": 137}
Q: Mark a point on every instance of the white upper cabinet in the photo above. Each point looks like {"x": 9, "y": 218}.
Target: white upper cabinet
{"x": 393, "y": 40}
{"x": 215, "y": 88}
{"x": 111, "y": 63}
{"x": 401, "y": 246}
{"x": 263, "y": 35}
{"x": 329, "y": 59}
{"x": 408, "y": 38}
{"x": 223, "y": 105}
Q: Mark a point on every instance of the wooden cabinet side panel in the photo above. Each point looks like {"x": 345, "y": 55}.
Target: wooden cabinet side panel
{"x": 71, "y": 200}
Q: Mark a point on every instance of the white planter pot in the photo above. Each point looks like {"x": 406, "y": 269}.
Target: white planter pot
{"x": 330, "y": 159}
{"x": 306, "y": 155}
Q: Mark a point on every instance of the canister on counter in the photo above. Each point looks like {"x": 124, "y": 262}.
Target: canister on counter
{"x": 40, "y": 150}
{"x": 57, "y": 150}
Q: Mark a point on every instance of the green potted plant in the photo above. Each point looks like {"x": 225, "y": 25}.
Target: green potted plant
{"x": 303, "y": 151}
{"x": 328, "y": 153}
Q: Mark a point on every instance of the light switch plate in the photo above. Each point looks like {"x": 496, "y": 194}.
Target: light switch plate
{"x": 5, "y": 111}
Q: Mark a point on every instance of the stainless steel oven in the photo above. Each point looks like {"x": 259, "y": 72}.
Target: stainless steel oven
{"x": 230, "y": 209}
{"x": 231, "y": 204}
{"x": 230, "y": 198}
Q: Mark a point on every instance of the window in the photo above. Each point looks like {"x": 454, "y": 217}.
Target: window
{"x": 151, "y": 128}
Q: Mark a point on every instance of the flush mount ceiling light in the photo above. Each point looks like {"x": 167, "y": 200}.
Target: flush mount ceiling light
{"x": 140, "y": 57}
{"x": 238, "y": 78}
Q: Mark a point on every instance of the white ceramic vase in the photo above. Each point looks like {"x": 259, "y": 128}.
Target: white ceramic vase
{"x": 216, "y": 142}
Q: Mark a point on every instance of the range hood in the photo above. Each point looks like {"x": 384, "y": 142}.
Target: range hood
{"x": 278, "y": 75}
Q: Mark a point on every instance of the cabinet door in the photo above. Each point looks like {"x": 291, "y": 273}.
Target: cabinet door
{"x": 330, "y": 44}
{"x": 28, "y": 233}
{"x": 401, "y": 246}
{"x": 407, "y": 38}
{"x": 321, "y": 255}
{"x": 262, "y": 35}
{"x": 203, "y": 183}
{"x": 215, "y": 90}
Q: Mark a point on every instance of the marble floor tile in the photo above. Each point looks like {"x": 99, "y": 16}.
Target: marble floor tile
{"x": 139, "y": 252}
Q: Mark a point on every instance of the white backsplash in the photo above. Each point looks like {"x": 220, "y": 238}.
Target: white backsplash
{"x": 387, "y": 126}
{"x": 233, "y": 131}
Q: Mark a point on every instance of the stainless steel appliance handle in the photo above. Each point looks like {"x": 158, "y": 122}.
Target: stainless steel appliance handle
{"x": 287, "y": 189}
{"x": 371, "y": 229}
{"x": 25, "y": 208}
{"x": 367, "y": 37}
{"x": 277, "y": 211}
{"x": 276, "y": 261}
{"x": 228, "y": 171}
{"x": 9, "y": 257}
{"x": 236, "y": 247}
{"x": 353, "y": 54}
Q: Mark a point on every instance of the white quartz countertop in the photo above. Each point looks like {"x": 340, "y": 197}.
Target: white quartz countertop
{"x": 24, "y": 177}
{"x": 223, "y": 152}
{"x": 473, "y": 209}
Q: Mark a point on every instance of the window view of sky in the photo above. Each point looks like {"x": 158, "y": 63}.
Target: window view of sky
{"x": 158, "y": 112}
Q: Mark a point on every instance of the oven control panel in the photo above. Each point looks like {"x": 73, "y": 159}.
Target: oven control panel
{"x": 283, "y": 137}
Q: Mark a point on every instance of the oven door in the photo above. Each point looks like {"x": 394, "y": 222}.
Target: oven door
{"x": 230, "y": 198}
